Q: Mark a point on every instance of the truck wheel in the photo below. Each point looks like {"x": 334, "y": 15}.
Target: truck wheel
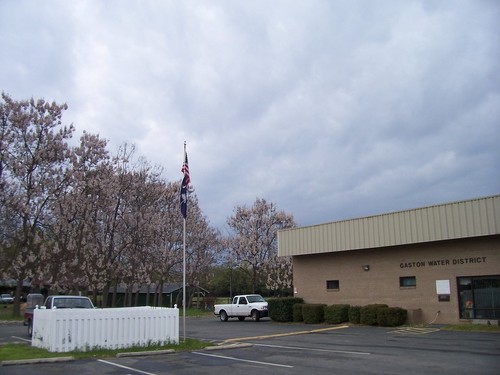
{"x": 223, "y": 316}
{"x": 255, "y": 315}
{"x": 30, "y": 328}
{"x": 241, "y": 318}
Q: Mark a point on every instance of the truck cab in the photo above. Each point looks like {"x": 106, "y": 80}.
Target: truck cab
{"x": 53, "y": 302}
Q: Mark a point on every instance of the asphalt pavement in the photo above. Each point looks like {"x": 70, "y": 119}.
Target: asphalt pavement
{"x": 268, "y": 347}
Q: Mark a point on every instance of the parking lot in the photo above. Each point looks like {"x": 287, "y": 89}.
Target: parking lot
{"x": 278, "y": 348}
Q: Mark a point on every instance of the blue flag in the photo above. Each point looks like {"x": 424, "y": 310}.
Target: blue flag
{"x": 184, "y": 197}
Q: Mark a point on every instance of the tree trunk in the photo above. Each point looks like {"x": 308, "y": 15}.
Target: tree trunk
{"x": 105, "y": 295}
{"x": 136, "y": 302}
{"x": 115, "y": 292}
{"x": 254, "y": 279}
{"x": 17, "y": 299}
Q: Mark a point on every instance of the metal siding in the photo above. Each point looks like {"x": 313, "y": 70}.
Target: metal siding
{"x": 476, "y": 217}
{"x": 490, "y": 215}
{"x": 398, "y": 221}
{"x": 307, "y": 241}
{"x": 344, "y": 237}
{"x": 317, "y": 234}
{"x": 392, "y": 229}
{"x": 455, "y": 220}
{"x": 441, "y": 224}
{"x": 368, "y": 234}
{"x": 468, "y": 219}
{"x": 374, "y": 229}
{"x": 479, "y": 218}
{"x": 494, "y": 216}
{"x": 424, "y": 225}
{"x": 356, "y": 233}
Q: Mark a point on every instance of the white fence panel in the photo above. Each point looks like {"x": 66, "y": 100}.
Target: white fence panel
{"x": 64, "y": 330}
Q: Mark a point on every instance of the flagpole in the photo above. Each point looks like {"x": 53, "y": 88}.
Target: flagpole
{"x": 184, "y": 270}
{"x": 184, "y": 284}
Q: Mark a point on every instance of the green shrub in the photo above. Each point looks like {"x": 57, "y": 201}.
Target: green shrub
{"x": 336, "y": 314}
{"x": 281, "y": 309}
{"x": 354, "y": 314}
{"x": 297, "y": 312}
{"x": 313, "y": 313}
{"x": 391, "y": 316}
{"x": 368, "y": 314}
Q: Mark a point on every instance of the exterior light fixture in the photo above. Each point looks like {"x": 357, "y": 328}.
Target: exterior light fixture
{"x": 366, "y": 267}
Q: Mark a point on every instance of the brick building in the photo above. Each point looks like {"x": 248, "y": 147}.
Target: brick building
{"x": 441, "y": 263}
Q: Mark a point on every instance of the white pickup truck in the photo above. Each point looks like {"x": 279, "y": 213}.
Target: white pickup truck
{"x": 251, "y": 305}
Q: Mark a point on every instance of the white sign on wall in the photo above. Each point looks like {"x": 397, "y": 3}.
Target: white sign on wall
{"x": 443, "y": 286}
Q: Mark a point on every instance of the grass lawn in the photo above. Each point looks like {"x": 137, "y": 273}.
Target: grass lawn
{"x": 15, "y": 351}
{"x": 472, "y": 327}
{"x": 6, "y": 313}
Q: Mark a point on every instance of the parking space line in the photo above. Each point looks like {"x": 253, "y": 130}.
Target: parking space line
{"x": 416, "y": 330}
{"x": 125, "y": 367}
{"x": 243, "y": 360}
{"x": 313, "y": 349}
{"x": 21, "y": 338}
{"x": 284, "y": 334}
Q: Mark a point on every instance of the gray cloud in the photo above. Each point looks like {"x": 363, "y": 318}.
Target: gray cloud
{"x": 330, "y": 109}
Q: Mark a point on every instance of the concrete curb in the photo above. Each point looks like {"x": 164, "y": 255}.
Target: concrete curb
{"x": 229, "y": 346}
{"x": 138, "y": 354}
{"x": 170, "y": 351}
{"x": 37, "y": 360}
{"x": 121, "y": 355}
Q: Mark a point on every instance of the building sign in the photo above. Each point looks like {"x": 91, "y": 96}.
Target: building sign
{"x": 443, "y": 290}
{"x": 442, "y": 262}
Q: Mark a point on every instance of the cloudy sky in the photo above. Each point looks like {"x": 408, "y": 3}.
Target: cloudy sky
{"x": 330, "y": 109}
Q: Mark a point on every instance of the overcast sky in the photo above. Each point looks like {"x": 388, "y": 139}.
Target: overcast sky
{"x": 330, "y": 109}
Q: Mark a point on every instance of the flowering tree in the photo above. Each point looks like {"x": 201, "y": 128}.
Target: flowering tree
{"x": 254, "y": 244}
{"x": 34, "y": 173}
{"x": 81, "y": 219}
{"x": 77, "y": 218}
{"x": 203, "y": 247}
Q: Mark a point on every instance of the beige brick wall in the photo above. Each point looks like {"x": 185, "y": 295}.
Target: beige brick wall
{"x": 428, "y": 262}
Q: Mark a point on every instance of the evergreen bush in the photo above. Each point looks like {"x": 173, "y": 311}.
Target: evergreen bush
{"x": 368, "y": 314}
{"x": 281, "y": 309}
{"x": 297, "y": 312}
{"x": 391, "y": 316}
{"x": 313, "y": 313}
{"x": 336, "y": 314}
{"x": 354, "y": 314}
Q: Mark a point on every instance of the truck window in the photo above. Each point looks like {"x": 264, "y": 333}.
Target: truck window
{"x": 243, "y": 301}
{"x": 256, "y": 298}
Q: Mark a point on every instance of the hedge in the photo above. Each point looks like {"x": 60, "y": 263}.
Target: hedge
{"x": 293, "y": 309}
{"x": 354, "y": 314}
{"x": 313, "y": 313}
{"x": 336, "y": 314}
{"x": 368, "y": 315}
{"x": 391, "y": 316}
{"x": 297, "y": 312}
{"x": 281, "y": 309}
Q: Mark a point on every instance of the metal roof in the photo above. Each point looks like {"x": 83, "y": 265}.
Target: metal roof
{"x": 464, "y": 219}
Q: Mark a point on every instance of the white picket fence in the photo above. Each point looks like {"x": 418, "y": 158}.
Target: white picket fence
{"x": 65, "y": 330}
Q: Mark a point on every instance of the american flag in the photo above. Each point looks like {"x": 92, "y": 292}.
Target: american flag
{"x": 185, "y": 170}
{"x": 185, "y": 185}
